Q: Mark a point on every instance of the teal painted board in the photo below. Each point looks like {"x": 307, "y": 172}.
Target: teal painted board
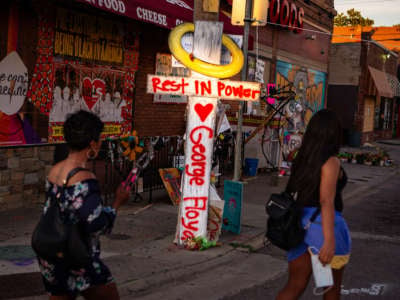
{"x": 233, "y": 196}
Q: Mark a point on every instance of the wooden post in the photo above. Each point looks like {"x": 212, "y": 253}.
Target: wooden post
{"x": 193, "y": 209}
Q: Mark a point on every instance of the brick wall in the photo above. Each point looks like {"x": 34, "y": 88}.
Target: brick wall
{"x": 152, "y": 119}
{"x": 22, "y": 175}
{"x": 375, "y": 59}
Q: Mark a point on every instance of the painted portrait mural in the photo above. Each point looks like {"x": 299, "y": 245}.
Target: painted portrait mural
{"x": 309, "y": 86}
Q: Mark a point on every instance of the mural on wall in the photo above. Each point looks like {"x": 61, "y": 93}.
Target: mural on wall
{"x": 309, "y": 86}
{"x": 84, "y": 62}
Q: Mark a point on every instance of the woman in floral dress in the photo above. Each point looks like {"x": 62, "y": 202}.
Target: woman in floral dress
{"x": 81, "y": 203}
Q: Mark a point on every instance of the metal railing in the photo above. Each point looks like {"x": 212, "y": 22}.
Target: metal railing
{"x": 112, "y": 171}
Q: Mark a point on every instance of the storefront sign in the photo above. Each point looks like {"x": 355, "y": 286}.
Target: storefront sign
{"x": 88, "y": 37}
{"x": 116, "y": 6}
{"x": 164, "y": 13}
{"x": 208, "y": 87}
{"x": 286, "y": 13}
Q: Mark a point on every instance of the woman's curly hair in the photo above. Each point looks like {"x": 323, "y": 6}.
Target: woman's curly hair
{"x": 81, "y": 128}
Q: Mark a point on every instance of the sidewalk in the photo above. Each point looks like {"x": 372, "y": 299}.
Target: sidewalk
{"x": 145, "y": 262}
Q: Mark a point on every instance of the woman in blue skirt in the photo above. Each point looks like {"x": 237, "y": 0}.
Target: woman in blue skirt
{"x": 318, "y": 179}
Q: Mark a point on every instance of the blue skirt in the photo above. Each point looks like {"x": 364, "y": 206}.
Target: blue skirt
{"x": 314, "y": 235}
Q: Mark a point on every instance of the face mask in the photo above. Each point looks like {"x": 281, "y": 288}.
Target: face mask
{"x": 322, "y": 274}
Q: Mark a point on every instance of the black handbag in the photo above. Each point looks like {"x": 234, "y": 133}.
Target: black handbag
{"x": 55, "y": 240}
{"x": 284, "y": 227}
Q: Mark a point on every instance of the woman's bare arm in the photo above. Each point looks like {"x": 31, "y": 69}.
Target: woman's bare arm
{"x": 329, "y": 175}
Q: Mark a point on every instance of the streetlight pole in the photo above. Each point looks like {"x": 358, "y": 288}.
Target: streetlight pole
{"x": 243, "y": 77}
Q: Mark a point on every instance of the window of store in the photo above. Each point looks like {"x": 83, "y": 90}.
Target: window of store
{"x": 384, "y": 114}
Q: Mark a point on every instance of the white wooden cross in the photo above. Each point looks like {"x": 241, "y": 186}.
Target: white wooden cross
{"x": 203, "y": 95}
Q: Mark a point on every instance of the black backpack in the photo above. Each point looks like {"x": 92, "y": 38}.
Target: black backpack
{"x": 55, "y": 240}
{"x": 284, "y": 227}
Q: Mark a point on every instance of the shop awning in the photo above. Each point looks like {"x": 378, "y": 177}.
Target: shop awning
{"x": 381, "y": 82}
{"x": 163, "y": 13}
{"x": 394, "y": 84}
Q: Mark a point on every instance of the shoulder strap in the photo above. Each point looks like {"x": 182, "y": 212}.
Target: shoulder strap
{"x": 72, "y": 173}
{"x": 315, "y": 214}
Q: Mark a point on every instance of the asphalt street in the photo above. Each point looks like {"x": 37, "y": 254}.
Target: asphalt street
{"x": 373, "y": 217}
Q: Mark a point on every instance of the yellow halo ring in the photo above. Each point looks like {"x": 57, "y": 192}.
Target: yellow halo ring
{"x": 202, "y": 67}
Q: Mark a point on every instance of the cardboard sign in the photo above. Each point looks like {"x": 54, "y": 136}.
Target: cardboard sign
{"x": 171, "y": 179}
{"x": 204, "y": 87}
{"x": 233, "y": 196}
{"x": 215, "y": 212}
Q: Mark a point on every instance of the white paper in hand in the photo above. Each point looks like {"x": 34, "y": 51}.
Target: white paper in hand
{"x": 322, "y": 274}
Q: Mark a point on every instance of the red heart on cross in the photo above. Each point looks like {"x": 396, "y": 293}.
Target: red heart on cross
{"x": 92, "y": 90}
{"x": 203, "y": 110}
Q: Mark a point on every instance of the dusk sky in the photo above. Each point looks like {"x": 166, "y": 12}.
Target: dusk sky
{"x": 383, "y": 12}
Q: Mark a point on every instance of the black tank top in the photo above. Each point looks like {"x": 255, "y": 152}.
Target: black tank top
{"x": 313, "y": 201}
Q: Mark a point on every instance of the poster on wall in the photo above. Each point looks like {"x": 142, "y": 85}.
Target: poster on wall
{"x": 309, "y": 86}
{"x": 90, "y": 67}
{"x": 15, "y": 128}
{"x": 166, "y": 65}
{"x": 98, "y": 90}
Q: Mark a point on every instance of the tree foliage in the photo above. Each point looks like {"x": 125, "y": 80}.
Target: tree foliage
{"x": 352, "y": 18}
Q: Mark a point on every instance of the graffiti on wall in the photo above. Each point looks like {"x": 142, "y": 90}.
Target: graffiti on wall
{"x": 309, "y": 86}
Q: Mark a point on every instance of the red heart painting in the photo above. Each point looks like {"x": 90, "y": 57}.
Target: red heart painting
{"x": 92, "y": 90}
{"x": 203, "y": 110}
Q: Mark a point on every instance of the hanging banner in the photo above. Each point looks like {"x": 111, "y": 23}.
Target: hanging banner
{"x": 198, "y": 155}
{"x": 204, "y": 87}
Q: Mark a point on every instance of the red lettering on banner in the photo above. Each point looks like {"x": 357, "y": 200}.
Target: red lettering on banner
{"x": 198, "y": 151}
{"x": 169, "y": 85}
{"x": 205, "y": 87}
{"x": 197, "y": 169}
{"x": 238, "y": 91}
{"x": 156, "y": 81}
{"x": 200, "y": 203}
{"x": 221, "y": 87}
{"x": 254, "y": 94}
{"x": 190, "y": 225}
{"x": 186, "y": 235}
{"x": 194, "y": 131}
{"x": 192, "y": 214}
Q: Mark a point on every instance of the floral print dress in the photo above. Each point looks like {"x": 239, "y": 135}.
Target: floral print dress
{"x": 81, "y": 203}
